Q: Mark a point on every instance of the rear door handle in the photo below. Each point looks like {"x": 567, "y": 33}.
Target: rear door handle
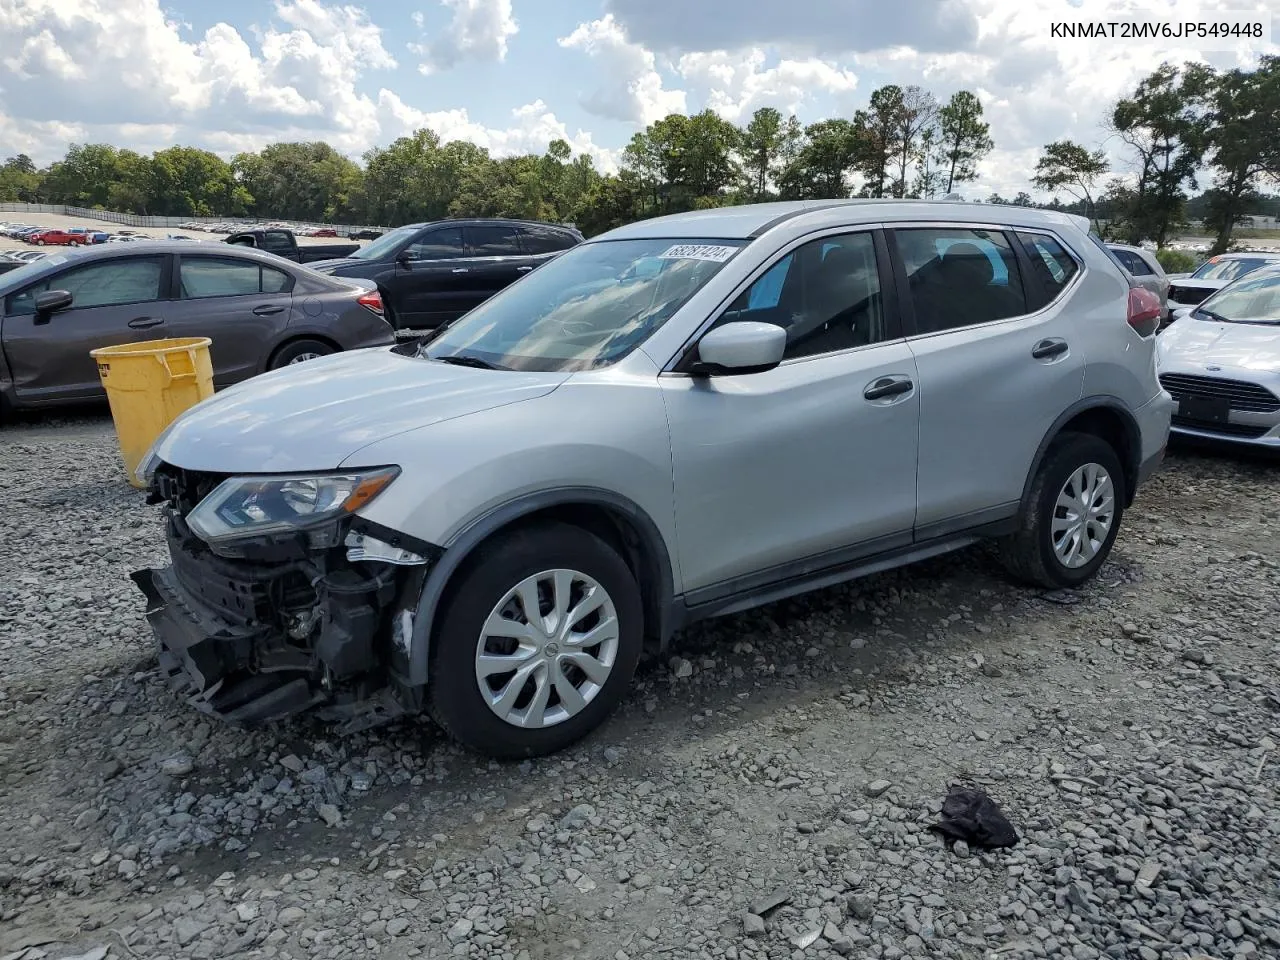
{"x": 142, "y": 323}
{"x": 461, "y": 270}
{"x": 267, "y": 309}
{"x": 1053, "y": 347}
{"x": 887, "y": 387}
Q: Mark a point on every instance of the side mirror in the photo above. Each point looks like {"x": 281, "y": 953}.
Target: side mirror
{"x": 745, "y": 346}
{"x": 50, "y": 302}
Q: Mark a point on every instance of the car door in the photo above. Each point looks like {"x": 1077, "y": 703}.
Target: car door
{"x": 242, "y": 306}
{"x": 810, "y": 463}
{"x": 432, "y": 281}
{"x": 997, "y": 358}
{"x": 115, "y": 301}
{"x": 496, "y": 259}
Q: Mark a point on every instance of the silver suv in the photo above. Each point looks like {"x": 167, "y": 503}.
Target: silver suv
{"x": 685, "y": 417}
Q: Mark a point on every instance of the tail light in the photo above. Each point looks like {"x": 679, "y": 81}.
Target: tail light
{"x": 1145, "y": 311}
{"x": 372, "y": 300}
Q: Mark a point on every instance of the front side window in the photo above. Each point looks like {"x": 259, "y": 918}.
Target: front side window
{"x": 276, "y": 241}
{"x": 825, "y": 294}
{"x": 587, "y": 308}
{"x": 106, "y": 283}
{"x": 959, "y": 277}
{"x": 208, "y": 277}
{"x": 444, "y": 243}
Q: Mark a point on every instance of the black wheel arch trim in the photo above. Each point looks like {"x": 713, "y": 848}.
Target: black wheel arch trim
{"x": 451, "y": 557}
{"x": 1132, "y": 464}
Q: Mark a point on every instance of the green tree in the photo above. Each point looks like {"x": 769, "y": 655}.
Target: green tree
{"x": 1243, "y": 142}
{"x": 1071, "y": 167}
{"x": 1163, "y": 123}
{"x": 301, "y": 181}
{"x": 19, "y": 179}
{"x": 964, "y": 138}
{"x": 1023, "y": 199}
{"x": 84, "y": 177}
{"x": 826, "y": 156}
{"x": 917, "y": 112}
{"x": 876, "y": 137}
{"x": 928, "y": 178}
{"x": 761, "y": 147}
{"x": 189, "y": 182}
{"x": 684, "y": 162}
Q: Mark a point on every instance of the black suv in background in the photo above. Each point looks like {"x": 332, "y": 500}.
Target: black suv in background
{"x": 431, "y": 273}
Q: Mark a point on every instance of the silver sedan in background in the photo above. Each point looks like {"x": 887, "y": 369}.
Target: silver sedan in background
{"x": 1221, "y": 363}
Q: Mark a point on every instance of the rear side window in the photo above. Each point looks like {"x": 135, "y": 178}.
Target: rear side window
{"x": 1051, "y": 265}
{"x": 208, "y": 277}
{"x": 959, "y": 277}
{"x": 493, "y": 241}
{"x": 1132, "y": 262}
{"x": 541, "y": 240}
{"x": 102, "y": 284}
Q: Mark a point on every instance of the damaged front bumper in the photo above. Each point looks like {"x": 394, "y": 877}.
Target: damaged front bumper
{"x": 286, "y": 626}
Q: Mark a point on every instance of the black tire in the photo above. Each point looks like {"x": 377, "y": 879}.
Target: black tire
{"x": 1028, "y": 553}
{"x": 295, "y": 349}
{"x": 454, "y": 697}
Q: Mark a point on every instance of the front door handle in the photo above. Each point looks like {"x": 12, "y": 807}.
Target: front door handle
{"x": 1053, "y": 347}
{"x": 886, "y": 387}
{"x": 523, "y": 269}
{"x": 142, "y": 323}
{"x": 461, "y": 270}
{"x": 267, "y": 309}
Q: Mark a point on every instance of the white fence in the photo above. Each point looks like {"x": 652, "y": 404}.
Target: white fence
{"x": 133, "y": 220}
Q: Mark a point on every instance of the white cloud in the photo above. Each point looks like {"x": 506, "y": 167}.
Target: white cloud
{"x": 634, "y": 91}
{"x": 739, "y": 83}
{"x": 479, "y": 30}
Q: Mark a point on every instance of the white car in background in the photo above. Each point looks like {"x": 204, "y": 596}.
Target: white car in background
{"x": 1221, "y": 364}
{"x": 1185, "y": 292}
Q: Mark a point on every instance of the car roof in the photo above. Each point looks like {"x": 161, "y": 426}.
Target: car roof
{"x": 1248, "y": 255}
{"x": 463, "y": 221}
{"x": 748, "y": 221}
{"x": 1128, "y": 246}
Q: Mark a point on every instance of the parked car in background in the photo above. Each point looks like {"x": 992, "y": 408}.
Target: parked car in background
{"x": 283, "y": 243}
{"x": 364, "y": 235}
{"x": 432, "y": 273}
{"x": 262, "y": 313}
{"x": 56, "y": 238}
{"x": 1221, "y": 363}
{"x": 1145, "y": 268}
{"x": 685, "y": 417}
{"x": 1212, "y": 275}
{"x": 326, "y": 232}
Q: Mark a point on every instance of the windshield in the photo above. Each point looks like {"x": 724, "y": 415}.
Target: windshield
{"x": 587, "y": 308}
{"x": 1254, "y": 300}
{"x": 385, "y": 244}
{"x": 1230, "y": 269}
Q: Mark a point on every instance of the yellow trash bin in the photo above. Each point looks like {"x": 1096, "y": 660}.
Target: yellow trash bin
{"x": 148, "y": 384}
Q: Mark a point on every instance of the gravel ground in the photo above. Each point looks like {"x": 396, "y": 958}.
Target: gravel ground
{"x": 767, "y": 792}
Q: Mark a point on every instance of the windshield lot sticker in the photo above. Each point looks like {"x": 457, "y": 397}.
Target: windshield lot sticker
{"x": 698, "y": 251}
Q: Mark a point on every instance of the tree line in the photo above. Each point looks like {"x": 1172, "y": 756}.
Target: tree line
{"x": 904, "y": 144}
{"x": 1176, "y": 125}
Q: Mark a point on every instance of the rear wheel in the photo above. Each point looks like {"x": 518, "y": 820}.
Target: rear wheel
{"x": 537, "y": 644}
{"x": 300, "y": 351}
{"x": 1071, "y": 518}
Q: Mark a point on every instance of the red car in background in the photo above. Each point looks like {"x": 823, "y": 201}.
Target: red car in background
{"x": 62, "y": 238}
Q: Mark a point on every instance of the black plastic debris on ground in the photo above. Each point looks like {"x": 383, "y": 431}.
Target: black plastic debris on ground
{"x": 970, "y": 815}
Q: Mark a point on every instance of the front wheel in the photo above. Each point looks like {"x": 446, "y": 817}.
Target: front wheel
{"x": 537, "y": 644}
{"x": 1071, "y": 518}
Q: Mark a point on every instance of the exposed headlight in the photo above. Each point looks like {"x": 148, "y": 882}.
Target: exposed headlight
{"x": 263, "y": 506}
{"x": 146, "y": 468}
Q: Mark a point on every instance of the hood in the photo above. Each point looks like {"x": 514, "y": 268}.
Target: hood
{"x": 315, "y": 415}
{"x": 326, "y": 265}
{"x": 1187, "y": 283}
{"x": 1192, "y": 344}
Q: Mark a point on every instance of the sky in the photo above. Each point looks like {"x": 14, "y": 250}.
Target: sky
{"x": 512, "y": 75}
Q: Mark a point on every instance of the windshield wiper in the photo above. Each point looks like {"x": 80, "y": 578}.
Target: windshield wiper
{"x": 460, "y": 361}
{"x": 1213, "y": 316}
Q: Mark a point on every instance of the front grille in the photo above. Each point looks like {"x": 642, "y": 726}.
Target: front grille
{"x": 1225, "y": 429}
{"x": 1187, "y": 297}
{"x": 1240, "y": 395}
